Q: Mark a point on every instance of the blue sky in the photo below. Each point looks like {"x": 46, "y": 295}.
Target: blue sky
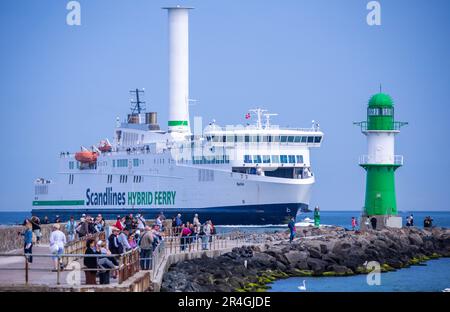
{"x": 63, "y": 86}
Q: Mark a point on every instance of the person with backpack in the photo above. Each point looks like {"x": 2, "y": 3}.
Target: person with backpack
{"x": 83, "y": 228}
{"x": 36, "y": 227}
{"x": 71, "y": 226}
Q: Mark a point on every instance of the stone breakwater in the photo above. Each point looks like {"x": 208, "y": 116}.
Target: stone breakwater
{"x": 331, "y": 252}
{"x": 11, "y": 240}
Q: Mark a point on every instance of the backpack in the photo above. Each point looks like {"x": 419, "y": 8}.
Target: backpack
{"x": 33, "y": 238}
{"x": 81, "y": 229}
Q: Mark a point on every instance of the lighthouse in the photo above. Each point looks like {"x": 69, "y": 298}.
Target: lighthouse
{"x": 380, "y": 162}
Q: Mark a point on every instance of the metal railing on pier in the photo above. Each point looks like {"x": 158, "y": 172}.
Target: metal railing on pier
{"x": 128, "y": 264}
{"x": 79, "y": 246}
{"x": 196, "y": 243}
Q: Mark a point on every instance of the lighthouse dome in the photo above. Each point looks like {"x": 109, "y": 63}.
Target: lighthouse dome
{"x": 381, "y": 100}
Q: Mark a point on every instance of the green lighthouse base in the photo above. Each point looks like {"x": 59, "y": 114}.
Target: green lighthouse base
{"x": 383, "y": 221}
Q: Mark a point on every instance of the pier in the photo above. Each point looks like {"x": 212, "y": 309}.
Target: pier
{"x": 19, "y": 275}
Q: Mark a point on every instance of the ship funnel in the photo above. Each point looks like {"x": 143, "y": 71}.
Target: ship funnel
{"x": 179, "y": 69}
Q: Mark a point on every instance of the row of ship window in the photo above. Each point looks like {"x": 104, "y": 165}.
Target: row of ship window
{"x": 122, "y": 179}
{"x": 223, "y": 159}
{"x": 276, "y": 159}
{"x": 264, "y": 138}
{"x": 123, "y": 163}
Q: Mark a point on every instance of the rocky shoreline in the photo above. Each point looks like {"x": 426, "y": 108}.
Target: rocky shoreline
{"x": 330, "y": 251}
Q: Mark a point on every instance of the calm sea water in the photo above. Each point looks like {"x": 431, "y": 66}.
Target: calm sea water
{"x": 434, "y": 276}
{"x": 341, "y": 218}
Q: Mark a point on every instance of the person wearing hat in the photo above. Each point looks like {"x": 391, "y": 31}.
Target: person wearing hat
{"x": 57, "y": 243}
{"x": 115, "y": 246}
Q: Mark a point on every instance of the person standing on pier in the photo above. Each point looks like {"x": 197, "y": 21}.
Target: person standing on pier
{"x": 36, "y": 224}
{"x": 70, "y": 228}
{"x": 28, "y": 240}
{"x": 184, "y": 236}
{"x": 292, "y": 229}
{"x": 123, "y": 239}
{"x": 146, "y": 244}
{"x": 57, "y": 242}
{"x": 196, "y": 221}
{"x": 46, "y": 220}
{"x": 119, "y": 223}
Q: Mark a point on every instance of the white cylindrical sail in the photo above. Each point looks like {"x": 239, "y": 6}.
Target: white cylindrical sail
{"x": 178, "y": 69}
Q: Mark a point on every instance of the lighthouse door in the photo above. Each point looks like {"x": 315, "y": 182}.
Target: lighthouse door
{"x": 378, "y": 204}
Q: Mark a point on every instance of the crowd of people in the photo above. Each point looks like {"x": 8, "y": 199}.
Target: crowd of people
{"x": 193, "y": 232}
{"x": 128, "y": 233}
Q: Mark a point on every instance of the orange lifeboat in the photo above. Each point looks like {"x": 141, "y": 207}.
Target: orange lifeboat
{"x": 105, "y": 146}
{"x": 86, "y": 157}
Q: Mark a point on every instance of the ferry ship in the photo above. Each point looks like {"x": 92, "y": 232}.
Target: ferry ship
{"x": 257, "y": 173}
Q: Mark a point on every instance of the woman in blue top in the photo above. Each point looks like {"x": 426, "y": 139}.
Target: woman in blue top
{"x": 28, "y": 240}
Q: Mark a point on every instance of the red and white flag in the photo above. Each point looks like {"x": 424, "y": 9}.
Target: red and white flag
{"x": 247, "y": 116}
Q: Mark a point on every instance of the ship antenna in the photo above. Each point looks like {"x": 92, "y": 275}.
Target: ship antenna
{"x": 137, "y": 105}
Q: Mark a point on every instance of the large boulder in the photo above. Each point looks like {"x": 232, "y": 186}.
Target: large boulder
{"x": 339, "y": 269}
{"x": 415, "y": 239}
{"x": 318, "y": 266}
{"x": 293, "y": 257}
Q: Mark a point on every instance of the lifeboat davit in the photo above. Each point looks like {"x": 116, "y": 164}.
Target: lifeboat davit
{"x": 86, "y": 157}
{"x": 105, "y": 146}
